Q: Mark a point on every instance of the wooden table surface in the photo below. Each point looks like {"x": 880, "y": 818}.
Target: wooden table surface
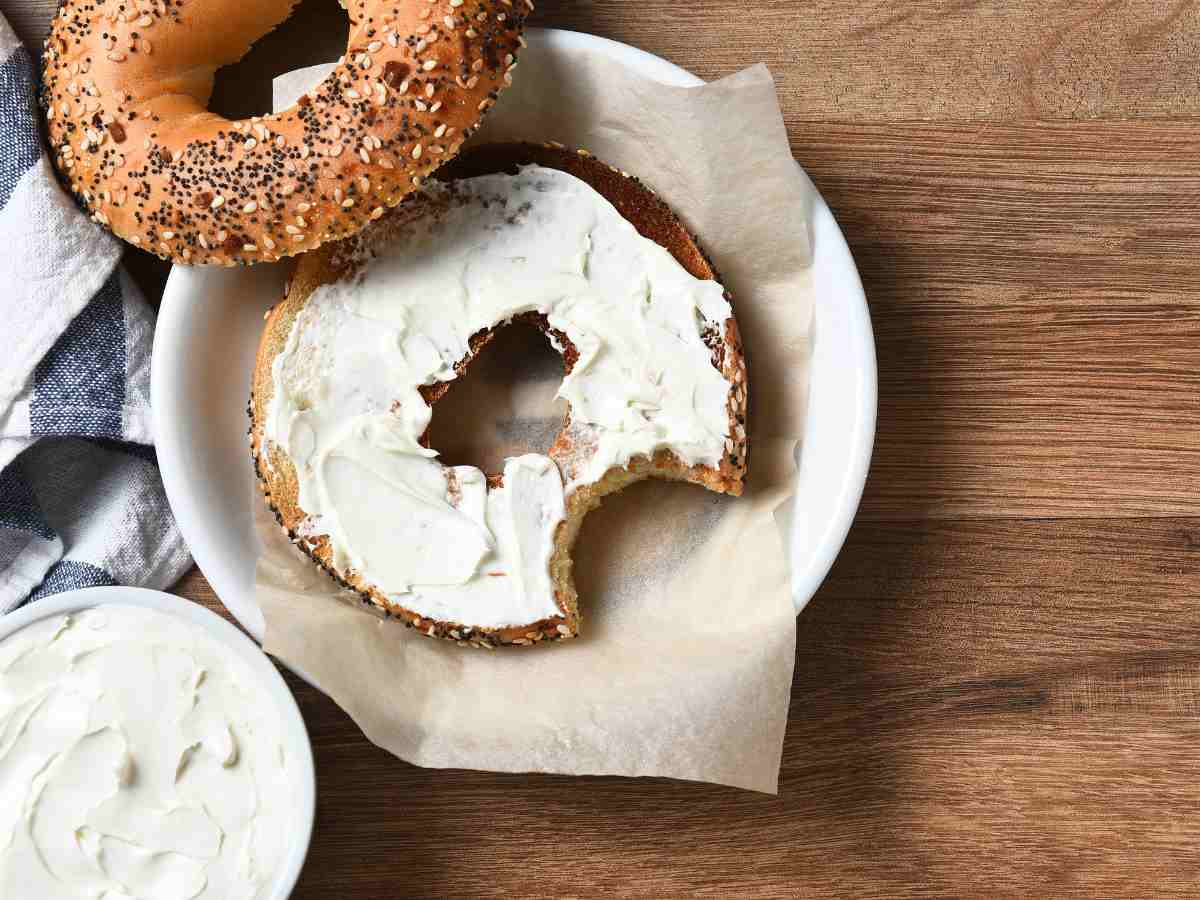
{"x": 997, "y": 690}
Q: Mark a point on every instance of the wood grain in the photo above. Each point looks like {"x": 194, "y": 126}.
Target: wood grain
{"x": 1035, "y": 290}
{"x": 893, "y": 60}
{"x": 997, "y": 690}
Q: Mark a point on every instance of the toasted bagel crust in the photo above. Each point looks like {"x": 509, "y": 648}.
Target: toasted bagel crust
{"x": 654, "y": 220}
{"x": 126, "y": 83}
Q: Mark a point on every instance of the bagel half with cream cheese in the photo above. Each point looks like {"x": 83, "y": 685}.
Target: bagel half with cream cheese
{"x": 373, "y": 330}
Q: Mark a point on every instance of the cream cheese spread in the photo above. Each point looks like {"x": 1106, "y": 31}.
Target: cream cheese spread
{"x": 347, "y": 410}
{"x": 138, "y": 761}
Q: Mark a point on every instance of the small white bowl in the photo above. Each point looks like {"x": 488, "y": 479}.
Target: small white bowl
{"x": 294, "y": 732}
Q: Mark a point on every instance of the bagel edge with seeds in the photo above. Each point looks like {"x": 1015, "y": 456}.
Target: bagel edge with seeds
{"x": 125, "y": 89}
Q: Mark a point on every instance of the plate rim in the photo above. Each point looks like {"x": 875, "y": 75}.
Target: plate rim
{"x": 816, "y": 553}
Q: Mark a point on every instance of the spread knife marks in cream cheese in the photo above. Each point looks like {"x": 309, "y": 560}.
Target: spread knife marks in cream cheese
{"x": 139, "y": 760}
{"x": 347, "y": 410}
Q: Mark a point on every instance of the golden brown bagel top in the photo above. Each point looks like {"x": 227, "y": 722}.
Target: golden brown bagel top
{"x": 126, "y": 84}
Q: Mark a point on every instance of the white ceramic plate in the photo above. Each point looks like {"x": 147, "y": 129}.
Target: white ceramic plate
{"x": 295, "y": 734}
{"x": 209, "y": 325}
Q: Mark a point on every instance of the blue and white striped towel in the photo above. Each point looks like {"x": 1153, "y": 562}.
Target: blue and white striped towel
{"x": 81, "y": 501}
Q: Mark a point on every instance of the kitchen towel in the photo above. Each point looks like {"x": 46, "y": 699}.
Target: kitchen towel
{"x": 81, "y": 500}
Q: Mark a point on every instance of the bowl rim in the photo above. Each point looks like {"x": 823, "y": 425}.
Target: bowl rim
{"x": 295, "y": 731}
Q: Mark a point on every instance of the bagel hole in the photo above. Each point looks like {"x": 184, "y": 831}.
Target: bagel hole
{"x": 504, "y": 404}
{"x": 315, "y": 32}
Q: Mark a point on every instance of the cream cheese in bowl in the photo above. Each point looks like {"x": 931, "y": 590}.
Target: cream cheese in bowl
{"x": 141, "y": 757}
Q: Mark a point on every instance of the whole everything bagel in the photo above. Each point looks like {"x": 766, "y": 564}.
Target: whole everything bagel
{"x": 125, "y": 89}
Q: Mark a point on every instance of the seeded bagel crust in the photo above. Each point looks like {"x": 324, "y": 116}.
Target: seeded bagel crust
{"x": 126, "y": 83}
{"x": 654, "y": 220}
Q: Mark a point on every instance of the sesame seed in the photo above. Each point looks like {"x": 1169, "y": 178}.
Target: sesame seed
{"x": 300, "y": 220}
{"x": 374, "y": 46}
{"x": 416, "y": 152}
{"x": 429, "y": 65}
{"x": 439, "y": 131}
{"x": 268, "y": 243}
{"x": 348, "y": 202}
{"x": 304, "y": 207}
{"x": 167, "y": 235}
{"x": 291, "y": 229}
{"x": 563, "y": 629}
{"x": 250, "y": 207}
{"x": 250, "y": 144}
{"x": 335, "y": 150}
{"x": 364, "y": 155}
{"x": 203, "y": 242}
{"x": 353, "y": 94}
{"x": 250, "y": 248}
{"x": 449, "y": 20}
{"x": 145, "y": 21}
{"x": 297, "y": 237}
{"x": 377, "y": 212}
